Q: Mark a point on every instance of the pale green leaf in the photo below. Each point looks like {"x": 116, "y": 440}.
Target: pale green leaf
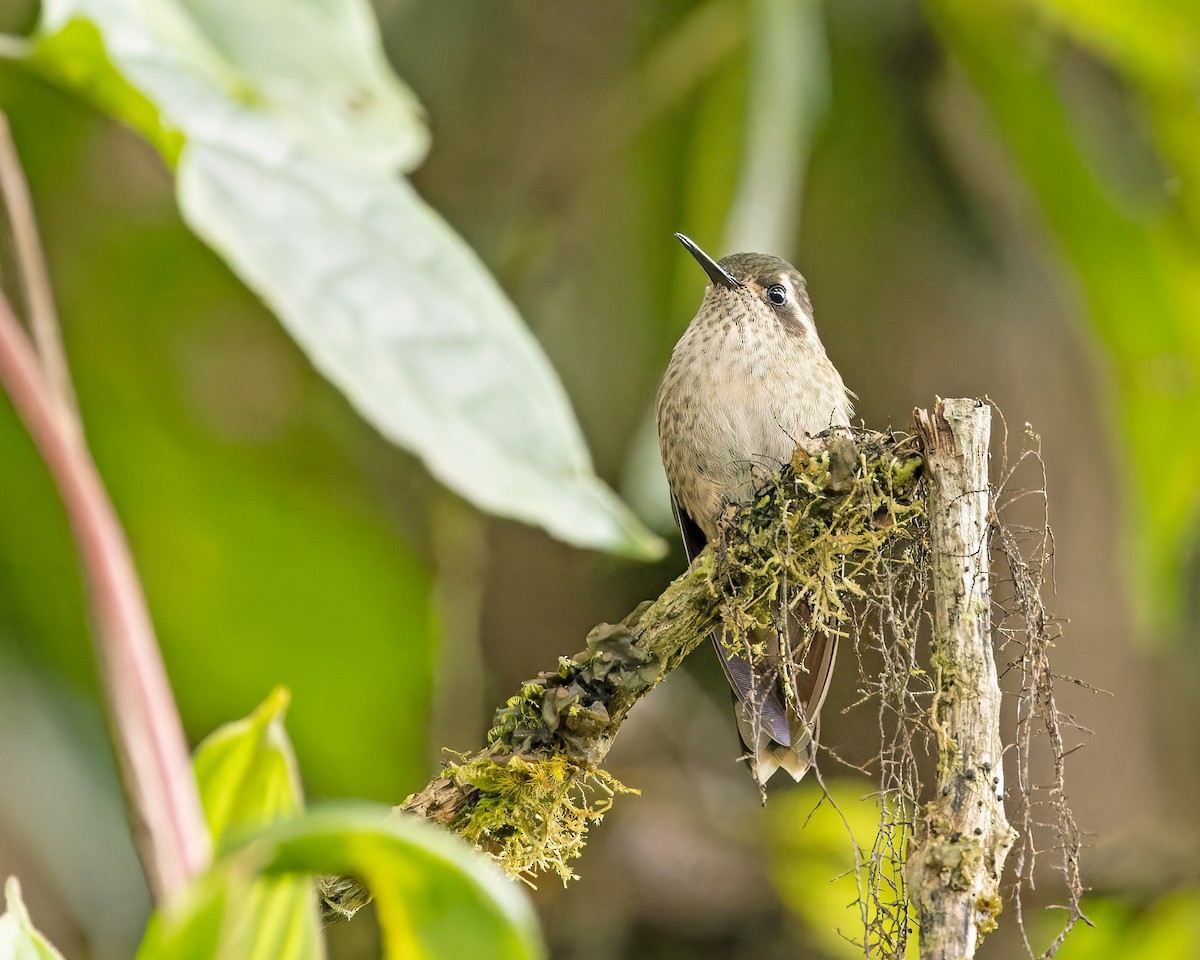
{"x": 18, "y": 938}
{"x": 287, "y": 128}
{"x": 310, "y": 74}
{"x": 246, "y": 771}
{"x": 434, "y": 895}
{"x": 208, "y": 921}
{"x": 230, "y": 913}
{"x": 396, "y": 310}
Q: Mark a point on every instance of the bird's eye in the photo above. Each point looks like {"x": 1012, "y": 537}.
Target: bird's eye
{"x": 777, "y": 294}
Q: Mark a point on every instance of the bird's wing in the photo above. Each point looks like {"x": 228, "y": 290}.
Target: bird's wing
{"x": 773, "y": 735}
{"x": 694, "y": 539}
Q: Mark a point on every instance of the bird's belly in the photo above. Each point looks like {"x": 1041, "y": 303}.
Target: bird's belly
{"x": 739, "y": 446}
{"x": 725, "y": 450}
{"x": 726, "y": 426}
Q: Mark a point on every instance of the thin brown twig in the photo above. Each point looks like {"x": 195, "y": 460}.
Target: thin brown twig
{"x": 1033, "y": 631}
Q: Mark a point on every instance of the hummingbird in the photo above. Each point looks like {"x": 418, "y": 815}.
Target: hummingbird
{"x": 748, "y": 381}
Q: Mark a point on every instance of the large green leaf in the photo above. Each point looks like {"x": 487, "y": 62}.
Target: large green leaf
{"x": 19, "y": 940}
{"x": 287, "y": 128}
{"x": 434, "y": 896}
{"x": 248, "y": 779}
{"x": 311, "y": 75}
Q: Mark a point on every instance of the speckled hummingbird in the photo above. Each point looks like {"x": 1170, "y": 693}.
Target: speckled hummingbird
{"x": 747, "y": 381}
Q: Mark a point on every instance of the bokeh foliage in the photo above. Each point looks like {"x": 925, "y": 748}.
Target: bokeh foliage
{"x": 282, "y": 542}
{"x": 289, "y": 136}
{"x": 1097, "y": 103}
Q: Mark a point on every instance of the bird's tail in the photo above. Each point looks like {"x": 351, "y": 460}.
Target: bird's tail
{"x": 778, "y": 730}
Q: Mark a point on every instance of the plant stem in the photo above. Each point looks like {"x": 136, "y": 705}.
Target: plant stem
{"x": 35, "y": 279}
{"x": 168, "y": 823}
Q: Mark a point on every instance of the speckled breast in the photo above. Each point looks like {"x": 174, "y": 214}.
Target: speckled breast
{"x": 736, "y": 398}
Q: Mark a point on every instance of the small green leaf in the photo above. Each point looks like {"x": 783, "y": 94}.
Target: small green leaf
{"x": 434, "y": 896}
{"x": 247, "y": 775}
{"x": 18, "y": 938}
{"x": 247, "y": 772}
{"x": 207, "y": 922}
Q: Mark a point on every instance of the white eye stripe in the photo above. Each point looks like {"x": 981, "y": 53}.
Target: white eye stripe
{"x": 798, "y": 299}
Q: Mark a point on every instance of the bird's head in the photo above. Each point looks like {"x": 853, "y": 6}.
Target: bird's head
{"x": 756, "y": 286}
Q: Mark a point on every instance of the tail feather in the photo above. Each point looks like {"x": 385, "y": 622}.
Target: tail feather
{"x": 777, "y": 730}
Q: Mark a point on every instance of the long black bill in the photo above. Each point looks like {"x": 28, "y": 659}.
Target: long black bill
{"x": 716, "y": 273}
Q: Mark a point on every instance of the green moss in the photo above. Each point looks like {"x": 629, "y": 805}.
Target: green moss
{"x": 532, "y": 815}
{"x": 825, "y": 525}
{"x": 827, "y": 520}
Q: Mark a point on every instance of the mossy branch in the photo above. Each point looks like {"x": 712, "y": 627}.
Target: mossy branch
{"x": 530, "y": 795}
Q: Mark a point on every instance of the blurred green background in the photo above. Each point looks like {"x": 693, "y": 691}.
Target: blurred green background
{"x": 988, "y": 197}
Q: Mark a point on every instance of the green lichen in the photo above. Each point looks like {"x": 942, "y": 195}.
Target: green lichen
{"x": 538, "y": 788}
{"x": 575, "y": 710}
{"x": 988, "y": 908}
{"x": 532, "y": 815}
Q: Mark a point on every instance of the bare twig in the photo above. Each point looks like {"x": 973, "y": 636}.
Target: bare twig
{"x": 168, "y": 825}
{"x": 963, "y": 838}
{"x": 1030, "y": 632}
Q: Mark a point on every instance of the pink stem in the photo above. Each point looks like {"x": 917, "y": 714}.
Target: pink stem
{"x": 168, "y": 824}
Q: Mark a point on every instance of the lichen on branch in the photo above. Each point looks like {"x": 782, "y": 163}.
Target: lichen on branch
{"x": 530, "y": 796}
{"x": 846, "y": 505}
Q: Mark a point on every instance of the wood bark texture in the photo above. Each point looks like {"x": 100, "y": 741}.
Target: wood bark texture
{"x": 963, "y": 835}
